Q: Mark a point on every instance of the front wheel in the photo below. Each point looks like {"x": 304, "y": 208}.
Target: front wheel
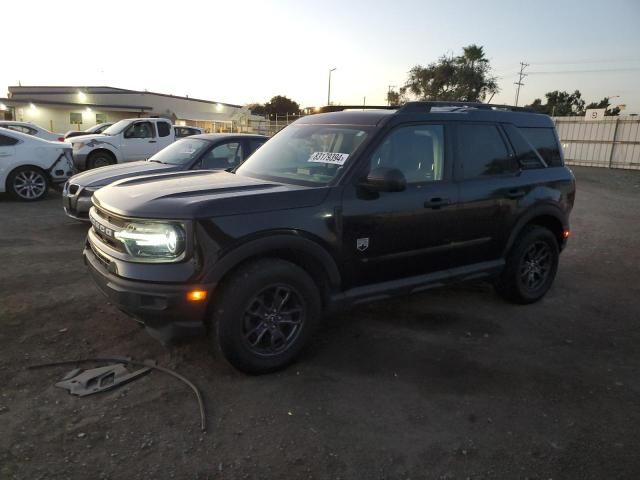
{"x": 264, "y": 315}
{"x": 100, "y": 159}
{"x": 28, "y": 184}
{"x": 531, "y": 266}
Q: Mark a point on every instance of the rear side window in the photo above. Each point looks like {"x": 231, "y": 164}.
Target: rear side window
{"x": 544, "y": 140}
{"x": 22, "y": 129}
{"x": 7, "y": 141}
{"x": 164, "y": 129}
{"x": 482, "y": 151}
{"x": 185, "y": 132}
{"x": 255, "y": 144}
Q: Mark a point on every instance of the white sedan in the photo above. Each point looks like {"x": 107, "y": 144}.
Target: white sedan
{"x": 31, "y": 128}
{"x": 29, "y": 165}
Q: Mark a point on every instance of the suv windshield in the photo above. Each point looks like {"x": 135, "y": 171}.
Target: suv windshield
{"x": 180, "y": 152}
{"x": 117, "y": 127}
{"x": 307, "y": 154}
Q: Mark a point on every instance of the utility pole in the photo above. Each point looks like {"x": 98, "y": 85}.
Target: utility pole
{"x": 519, "y": 83}
{"x": 329, "y": 89}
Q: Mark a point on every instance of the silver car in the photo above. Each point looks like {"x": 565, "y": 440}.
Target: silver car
{"x": 215, "y": 151}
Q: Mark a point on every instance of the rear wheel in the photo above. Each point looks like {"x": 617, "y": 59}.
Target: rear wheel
{"x": 264, "y": 315}
{"x": 100, "y": 159}
{"x": 28, "y": 184}
{"x": 531, "y": 266}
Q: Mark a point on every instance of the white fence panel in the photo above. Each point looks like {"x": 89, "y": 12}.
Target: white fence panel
{"x": 613, "y": 142}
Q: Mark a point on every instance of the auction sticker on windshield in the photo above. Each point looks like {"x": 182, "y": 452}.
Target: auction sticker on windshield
{"x": 329, "y": 157}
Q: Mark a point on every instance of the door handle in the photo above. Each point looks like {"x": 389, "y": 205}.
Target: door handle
{"x": 515, "y": 194}
{"x": 437, "y": 202}
{"x": 152, "y": 141}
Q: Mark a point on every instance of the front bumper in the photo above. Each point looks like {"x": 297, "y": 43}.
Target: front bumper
{"x": 77, "y": 204}
{"x": 162, "y": 308}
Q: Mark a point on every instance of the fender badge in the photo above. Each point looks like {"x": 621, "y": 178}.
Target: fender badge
{"x": 362, "y": 243}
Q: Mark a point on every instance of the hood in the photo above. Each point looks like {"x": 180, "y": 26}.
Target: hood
{"x": 202, "y": 194}
{"x": 99, "y": 177}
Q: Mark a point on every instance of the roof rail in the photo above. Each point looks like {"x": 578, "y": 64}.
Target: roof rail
{"x": 423, "y": 107}
{"x": 340, "y": 108}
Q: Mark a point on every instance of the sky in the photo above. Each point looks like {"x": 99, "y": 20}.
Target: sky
{"x": 248, "y": 51}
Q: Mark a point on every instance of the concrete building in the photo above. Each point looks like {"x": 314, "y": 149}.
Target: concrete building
{"x": 60, "y": 109}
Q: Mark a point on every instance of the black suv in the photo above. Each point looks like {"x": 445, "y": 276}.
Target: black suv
{"x": 338, "y": 208}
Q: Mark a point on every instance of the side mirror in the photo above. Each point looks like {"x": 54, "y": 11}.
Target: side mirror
{"x": 385, "y": 180}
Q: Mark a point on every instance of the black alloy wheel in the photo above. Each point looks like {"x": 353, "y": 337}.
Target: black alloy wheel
{"x": 273, "y": 319}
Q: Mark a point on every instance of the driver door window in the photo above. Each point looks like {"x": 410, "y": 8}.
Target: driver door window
{"x": 416, "y": 150}
{"x": 227, "y": 155}
{"x": 140, "y": 130}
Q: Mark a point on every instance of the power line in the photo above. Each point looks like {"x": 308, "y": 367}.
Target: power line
{"x": 519, "y": 83}
{"x": 594, "y": 70}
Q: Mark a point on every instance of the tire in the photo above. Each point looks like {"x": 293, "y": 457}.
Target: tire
{"x": 100, "y": 159}
{"x": 531, "y": 266}
{"x": 28, "y": 184}
{"x": 265, "y": 314}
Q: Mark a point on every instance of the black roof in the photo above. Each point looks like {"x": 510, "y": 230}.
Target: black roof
{"x": 444, "y": 111}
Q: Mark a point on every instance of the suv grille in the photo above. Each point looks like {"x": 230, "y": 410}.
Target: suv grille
{"x": 104, "y": 225}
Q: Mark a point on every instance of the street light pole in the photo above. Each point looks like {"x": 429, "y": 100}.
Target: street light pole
{"x": 329, "y": 90}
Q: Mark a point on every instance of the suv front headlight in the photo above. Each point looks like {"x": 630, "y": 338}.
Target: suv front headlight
{"x": 153, "y": 240}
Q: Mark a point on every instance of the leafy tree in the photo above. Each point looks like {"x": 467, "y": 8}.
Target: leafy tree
{"x": 279, "y": 104}
{"x": 560, "y": 104}
{"x": 604, "y": 103}
{"x": 257, "y": 108}
{"x": 393, "y": 97}
{"x": 282, "y": 105}
{"x": 463, "y": 78}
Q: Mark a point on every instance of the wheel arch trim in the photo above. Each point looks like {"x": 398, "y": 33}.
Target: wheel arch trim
{"x": 539, "y": 212}
{"x": 292, "y": 241}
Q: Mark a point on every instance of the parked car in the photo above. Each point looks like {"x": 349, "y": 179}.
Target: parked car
{"x": 30, "y": 128}
{"x": 336, "y": 209}
{"x": 182, "y": 131}
{"x": 199, "y": 152}
{"x": 101, "y": 127}
{"x": 29, "y": 165}
{"x": 124, "y": 141}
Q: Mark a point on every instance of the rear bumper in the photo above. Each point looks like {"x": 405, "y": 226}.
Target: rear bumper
{"x": 162, "y": 308}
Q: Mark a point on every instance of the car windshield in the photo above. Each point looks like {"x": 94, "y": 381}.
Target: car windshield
{"x": 181, "y": 151}
{"x": 117, "y": 127}
{"x": 306, "y": 154}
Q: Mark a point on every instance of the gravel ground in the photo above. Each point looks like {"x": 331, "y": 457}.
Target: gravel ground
{"x": 452, "y": 383}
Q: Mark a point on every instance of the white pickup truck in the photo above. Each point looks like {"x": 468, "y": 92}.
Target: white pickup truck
{"x": 125, "y": 141}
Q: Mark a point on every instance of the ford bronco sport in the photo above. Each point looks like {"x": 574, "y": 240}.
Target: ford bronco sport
{"x": 338, "y": 208}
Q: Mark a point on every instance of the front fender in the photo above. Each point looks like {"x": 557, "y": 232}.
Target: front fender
{"x": 95, "y": 145}
{"x": 292, "y": 242}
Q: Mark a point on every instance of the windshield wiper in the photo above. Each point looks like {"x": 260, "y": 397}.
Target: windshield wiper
{"x": 154, "y": 161}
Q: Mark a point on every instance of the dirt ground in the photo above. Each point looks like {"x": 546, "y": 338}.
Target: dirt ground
{"x": 452, "y": 383}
